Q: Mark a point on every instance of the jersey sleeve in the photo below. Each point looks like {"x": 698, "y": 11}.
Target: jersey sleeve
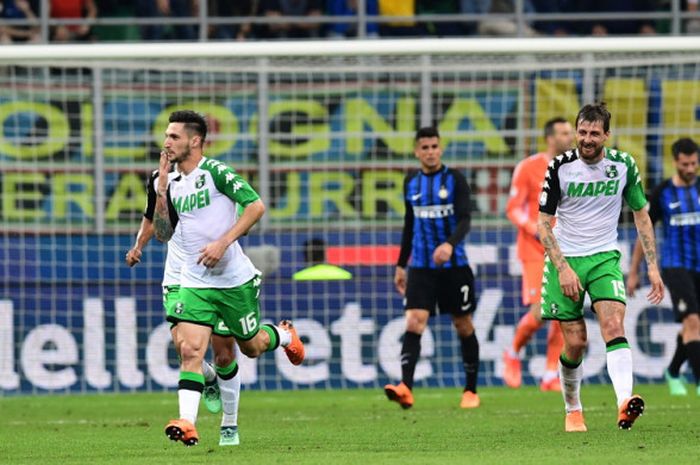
{"x": 551, "y": 190}
{"x": 151, "y": 196}
{"x": 231, "y": 184}
{"x": 407, "y": 233}
{"x": 633, "y": 192}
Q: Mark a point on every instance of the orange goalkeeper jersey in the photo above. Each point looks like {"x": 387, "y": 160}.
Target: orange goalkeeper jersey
{"x": 522, "y": 208}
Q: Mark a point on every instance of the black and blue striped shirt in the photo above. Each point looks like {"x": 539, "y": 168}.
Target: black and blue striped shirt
{"x": 678, "y": 208}
{"x": 437, "y": 211}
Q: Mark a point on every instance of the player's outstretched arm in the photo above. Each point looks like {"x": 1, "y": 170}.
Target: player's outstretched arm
{"x": 645, "y": 234}
{"x": 212, "y": 252}
{"x": 133, "y": 256}
{"x": 568, "y": 279}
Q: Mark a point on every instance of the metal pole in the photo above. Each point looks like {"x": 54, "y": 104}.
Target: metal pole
{"x": 98, "y": 147}
{"x": 361, "y": 19}
{"x": 426, "y": 92}
{"x": 44, "y": 16}
{"x": 203, "y": 25}
{"x": 264, "y": 137}
{"x": 588, "y": 91}
{"x": 676, "y": 18}
{"x": 519, "y": 18}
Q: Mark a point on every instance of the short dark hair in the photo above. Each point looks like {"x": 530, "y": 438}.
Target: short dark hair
{"x": 428, "y": 131}
{"x": 194, "y": 122}
{"x": 595, "y": 112}
{"x": 684, "y": 145}
{"x": 549, "y": 125}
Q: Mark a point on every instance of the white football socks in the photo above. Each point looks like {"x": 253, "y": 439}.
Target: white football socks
{"x": 570, "y": 379}
{"x": 620, "y": 372}
{"x": 189, "y": 404}
{"x": 230, "y": 396}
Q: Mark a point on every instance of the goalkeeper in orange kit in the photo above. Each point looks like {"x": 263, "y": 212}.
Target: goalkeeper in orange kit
{"x": 522, "y": 210}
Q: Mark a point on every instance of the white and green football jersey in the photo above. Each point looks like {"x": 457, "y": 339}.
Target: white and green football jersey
{"x": 587, "y": 199}
{"x": 206, "y": 201}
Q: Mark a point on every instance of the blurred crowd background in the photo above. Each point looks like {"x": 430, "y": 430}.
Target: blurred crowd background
{"x": 41, "y": 21}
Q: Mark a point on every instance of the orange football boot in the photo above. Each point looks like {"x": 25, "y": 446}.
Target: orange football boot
{"x": 630, "y": 410}
{"x": 182, "y": 430}
{"x": 400, "y": 394}
{"x": 575, "y": 423}
{"x": 470, "y": 400}
{"x": 552, "y": 385}
{"x": 295, "y": 350}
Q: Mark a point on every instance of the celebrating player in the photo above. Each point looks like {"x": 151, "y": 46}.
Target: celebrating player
{"x": 585, "y": 188}
{"x": 676, "y": 203}
{"x": 522, "y": 211}
{"x": 435, "y": 224}
{"x": 217, "y": 394}
{"x": 218, "y": 281}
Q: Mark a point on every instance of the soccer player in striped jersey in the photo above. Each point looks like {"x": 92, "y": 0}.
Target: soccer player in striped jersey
{"x": 217, "y": 280}
{"x": 522, "y": 210}
{"x": 436, "y": 222}
{"x": 585, "y": 188}
{"x": 222, "y": 387}
{"x": 676, "y": 203}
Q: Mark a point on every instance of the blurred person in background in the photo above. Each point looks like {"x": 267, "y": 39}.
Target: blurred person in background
{"x": 229, "y": 9}
{"x": 72, "y": 9}
{"x": 617, "y": 26}
{"x": 18, "y": 9}
{"x": 291, "y": 30}
{"x": 349, "y": 8}
{"x": 168, "y": 9}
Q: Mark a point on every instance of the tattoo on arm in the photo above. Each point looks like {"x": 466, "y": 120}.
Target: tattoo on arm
{"x": 550, "y": 242}
{"x": 161, "y": 221}
{"x": 646, "y": 237}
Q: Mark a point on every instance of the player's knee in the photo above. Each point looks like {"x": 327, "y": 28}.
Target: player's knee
{"x": 223, "y": 359}
{"x": 612, "y": 329}
{"x": 189, "y": 351}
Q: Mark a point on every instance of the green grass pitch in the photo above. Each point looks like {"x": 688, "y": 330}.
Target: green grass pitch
{"x": 352, "y": 427}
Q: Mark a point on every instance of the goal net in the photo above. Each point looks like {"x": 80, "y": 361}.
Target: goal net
{"x": 325, "y": 133}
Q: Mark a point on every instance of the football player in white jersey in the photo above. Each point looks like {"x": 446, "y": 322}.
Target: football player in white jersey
{"x": 218, "y": 281}
{"x": 222, "y": 387}
{"x": 585, "y": 188}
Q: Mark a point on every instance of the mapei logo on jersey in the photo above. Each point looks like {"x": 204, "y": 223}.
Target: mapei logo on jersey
{"x": 199, "y": 183}
{"x": 191, "y": 202}
{"x": 593, "y": 189}
{"x": 611, "y": 171}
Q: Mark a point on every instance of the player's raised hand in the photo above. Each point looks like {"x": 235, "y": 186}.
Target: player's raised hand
{"x": 163, "y": 170}
{"x": 570, "y": 284}
{"x": 442, "y": 253}
{"x": 400, "y": 280}
{"x": 133, "y": 256}
{"x": 212, "y": 253}
{"x": 656, "y": 295}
